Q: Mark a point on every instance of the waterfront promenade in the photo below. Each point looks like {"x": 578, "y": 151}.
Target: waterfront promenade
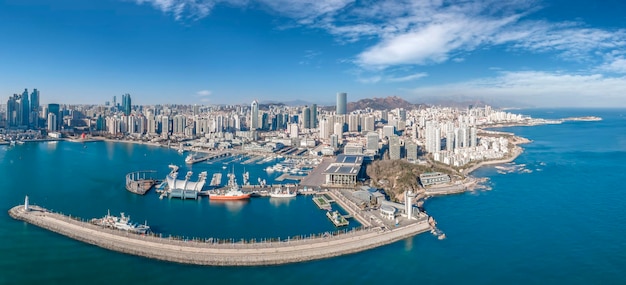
{"x": 207, "y": 252}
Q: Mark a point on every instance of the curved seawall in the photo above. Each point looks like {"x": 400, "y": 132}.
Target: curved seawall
{"x": 201, "y": 253}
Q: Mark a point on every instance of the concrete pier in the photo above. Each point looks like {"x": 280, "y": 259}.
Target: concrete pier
{"x": 204, "y": 252}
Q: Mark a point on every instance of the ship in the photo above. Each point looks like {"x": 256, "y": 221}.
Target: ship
{"x": 122, "y": 223}
{"x": 232, "y": 191}
{"x": 279, "y": 192}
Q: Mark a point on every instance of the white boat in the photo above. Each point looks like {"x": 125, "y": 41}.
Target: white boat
{"x": 279, "y": 192}
{"x": 269, "y": 169}
{"x": 121, "y": 223}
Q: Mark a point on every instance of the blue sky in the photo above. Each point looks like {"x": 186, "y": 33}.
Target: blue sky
{"x": 543, "y": 53}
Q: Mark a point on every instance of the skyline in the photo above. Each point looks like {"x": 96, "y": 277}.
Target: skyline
{"x": 541, "y": 53}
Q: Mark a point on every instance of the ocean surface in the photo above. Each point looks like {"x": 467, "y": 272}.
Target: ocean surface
{"x": 559, "y": 218}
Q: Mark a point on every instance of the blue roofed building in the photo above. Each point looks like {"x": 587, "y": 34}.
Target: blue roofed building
{"x": 345, "y": 171}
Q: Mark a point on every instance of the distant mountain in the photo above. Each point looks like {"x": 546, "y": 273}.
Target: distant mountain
{"x": 292, "y": 103}
{"x": 387, "y": 103}
{"x": 466, "y": 101}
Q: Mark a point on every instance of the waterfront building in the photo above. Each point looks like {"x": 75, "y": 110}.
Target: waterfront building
{"x": 345, "y": 171}
{"x": 434, "y": 178}
{"x": 342, "y": 99}
{"x": 52, "y": 122}
{"x": 254, "y": 115}
{"x": 34, "y": 108}
{"x": 24, "y": 109}
{"x": 56, "y": 110}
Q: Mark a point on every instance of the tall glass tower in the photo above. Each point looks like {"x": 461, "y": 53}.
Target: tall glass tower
{"x": 254, "y": 115}
{"x": 126, "y": 104}
{"x": 34, "y": 108}
{"x": 341, "y": 103}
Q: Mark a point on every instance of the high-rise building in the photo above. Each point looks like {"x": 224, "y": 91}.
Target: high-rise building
{"x": 411, "y": 151}
{"x": 368, "y": 123}
{"x": 254, "y": 115}
{"x": 52, "y": 122}
{"x": 473, "y": 138}
{"x": 126, "y": 104}
{"x": 324, "y": 129}
{"x": 25, "y": 109}
{"x": 353, "y": 123}
{"x": 306, "y": 118}
{"x": 54, "y": 109}
{"x": 12, "y": 111}
{"x": 450, "y": 140}
{"x": 342, "y": 103}
{"x": 433, "y": 137}
{"x": 372, "y": 142}
{"x": 338, "y": 130}
{"x": 34, "y": 108}
{"x": 394, "y": 147}
{"x": 314, "y": 121}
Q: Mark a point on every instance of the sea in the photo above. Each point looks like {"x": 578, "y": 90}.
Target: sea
{"x": 557, "y": 216}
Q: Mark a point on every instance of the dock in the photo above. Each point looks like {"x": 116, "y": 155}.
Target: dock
{"x": 322, "y": 202}
{"x": 219, "y": 252}
{"x": 208, "y": 157}
{"x": 139, "y": 182}
{"x": 337, "y": 219}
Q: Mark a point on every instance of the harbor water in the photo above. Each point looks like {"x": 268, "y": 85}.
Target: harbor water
{"x": 555, "y": 217}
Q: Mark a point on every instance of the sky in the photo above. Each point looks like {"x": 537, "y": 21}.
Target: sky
{"x": 559, "y": 53}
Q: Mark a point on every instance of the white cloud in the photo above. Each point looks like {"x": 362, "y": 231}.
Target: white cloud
{"x": 616, "y": 65}
{"x": 188, "y": 9}
{"x": 204, "y": 93}
{"x": 305, "y": 10}
{"x": 410, "y": 32}
{"x": 408, "y": 77}
{"x": 539, "y": 88}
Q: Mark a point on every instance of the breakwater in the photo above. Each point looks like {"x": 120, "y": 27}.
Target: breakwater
{"x": 207, "y": 252}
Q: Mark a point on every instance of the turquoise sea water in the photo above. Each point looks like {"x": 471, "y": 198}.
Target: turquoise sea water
{"x": 561, "y": 221}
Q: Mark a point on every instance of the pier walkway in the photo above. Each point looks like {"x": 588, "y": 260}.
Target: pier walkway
{"x": 204, "y": 252}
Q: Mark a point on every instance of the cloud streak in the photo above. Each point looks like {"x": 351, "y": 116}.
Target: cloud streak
{"x": 539, "y": 88}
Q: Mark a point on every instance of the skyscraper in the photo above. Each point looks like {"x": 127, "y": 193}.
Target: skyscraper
{"x": 254, "y": 115}
{"x": 54, "y": 109}
{"x": 12, "y": 111}
{"x": 342, "y": 103}
{"x": 34, "y": 108}
{"x": 25, "y": 109}
{"x": 306, "y": 118}
{"x": 314, "y": 116}
{"x": 126, "y": 104}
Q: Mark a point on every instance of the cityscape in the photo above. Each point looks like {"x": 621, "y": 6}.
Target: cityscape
{"x": 312, "y": 142}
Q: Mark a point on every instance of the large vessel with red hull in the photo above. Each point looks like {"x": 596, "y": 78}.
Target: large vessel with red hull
{"x": 232, "y": 191}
